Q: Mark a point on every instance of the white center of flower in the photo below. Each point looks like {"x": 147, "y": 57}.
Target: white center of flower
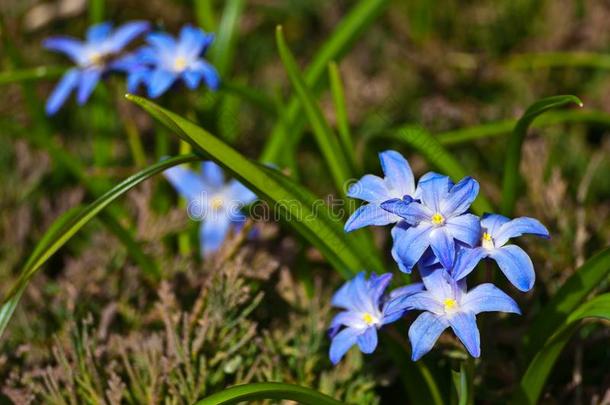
{"x": 369, "y": 319}
{"x": 487, "y": 241}
{"x": 217, "y": 203}
{"x": 180, "y": 63}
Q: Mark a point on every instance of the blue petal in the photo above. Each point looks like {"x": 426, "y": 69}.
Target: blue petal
{"x": 88, "y": 80}
{"x": 343, "y": 297}
{"x": 518, "y": 227}
{"x": 191, "y": 78}
{"x": 212, "y": 175}
{"x": 369, "y": 214}
{"x": 99, "y": 32}
{"x": 438, "y": 282}
{"x": 368, "y": 340}
{"x": 210, "y": 75}
{"x": 460, "y": 197}
{"x": 412, "y": 212}
{"x": 434, "y": 190}
{"x": 163, "y": 42}
{"x": 466, "y": 260}
{"x": 137, "y": 77}
{"x": 406, "y": 290}
{"x": 466, "y": 228}
{"x": 350, "y": 319}
{"x": 71, "y": 47}
{"x": 397, "y": 172}
{"x": 464, "y": 325}
{"x": 423, "y": 301}
{"x": 186, "y": 182}
{"x": 57, "y": 98}
{"x": 424, "y": 332}
{"x": 443, "y": 246}
{"x": 213, "y": 232}
{"x": 370, "y": 188}
{"x": 423, "y": 179}
{"x": 487, "y": 298}
{"x": 126, "y": 33}
{"x": 516, "y": 266}
{"x": 378, "y": 284}
{"x": 492, "y": 223}
{"x": 160, "y": 81}
{"x": 362, "y": 299}
{"x": 342, "y": 343}
{"x": 193, "y": 41}
{"x": 240, "y": 193}
{"x": 409, "y": 244}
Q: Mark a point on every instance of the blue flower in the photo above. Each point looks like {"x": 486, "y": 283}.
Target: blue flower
{"x": 92, "y": 58}
{"x": 166, "y": 60}
{"x": 447, "y": 304}
{"x": 436, "y": 220}
{"x": 398, "y": 183}
{"x": 211, "y": 199}
{"x": 365, "y": 312}
{"x": 516, "y": 265}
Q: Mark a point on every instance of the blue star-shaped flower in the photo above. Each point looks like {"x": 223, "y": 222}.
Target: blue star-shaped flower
{"x": 93, "y": 57}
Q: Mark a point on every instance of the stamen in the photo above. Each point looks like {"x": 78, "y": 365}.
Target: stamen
{"x": 180, "y": 64}
{"x": 438, "y": 219}
{"x": 368, "y": 318}
{"x": 450, "y": 304}
{"x": 217, "y": 203}
{"x": 487, "y": 241}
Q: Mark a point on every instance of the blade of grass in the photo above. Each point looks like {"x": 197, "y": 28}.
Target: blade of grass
{"x": 223, "y": 49}
{"x": 542, "y": 364}
{"x": 310, "y": 216}
{"x": 96, "y": 11}
{"x": 260, "y": 391}
{"x": 346, "y": 32}
{"x": 204, "y": 12}
{"x": 504, "y": 127}
{"x": 326, "y": 139}
{"x": 60, "y": 233}
{"x": 513, "y": 149}
{"x": 345, "y": 136}
{"x": 431, "y": 149}
{"x": 565, "y": 301}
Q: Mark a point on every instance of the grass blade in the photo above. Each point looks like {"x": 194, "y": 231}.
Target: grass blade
{"x": 513, "y": 150}
{"x": 223, "y": 49}
{"x": 504, "y": 127}
{"x": 439, "y": 157}
{"x": 541, "y": 365}
{"x": 566, "y": 300}
{"x": 68, "y": 225}
{"x": 271, "y": 390}
{"x": 345, "y": 137}
{"x": 310, "y": 216}
{"x": 347, "y": 31}
{"x": 326, "y": 139}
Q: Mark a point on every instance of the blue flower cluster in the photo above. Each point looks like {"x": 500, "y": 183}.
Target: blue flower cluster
{"x": 433, "y": 229}
{"x": 157, "y": 65}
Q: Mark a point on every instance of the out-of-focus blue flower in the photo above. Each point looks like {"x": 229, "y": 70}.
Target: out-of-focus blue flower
{"x": 166, "y": 60}
{"x": 447, "y": 304}
{"x": 516, "y": 265}
{"x": 365, "y": 312}
{"x": 398, "y": 183}
{"x": 211, "y": 199}
{"x": 436, "y": 220}
{"x": 92, "y": 58}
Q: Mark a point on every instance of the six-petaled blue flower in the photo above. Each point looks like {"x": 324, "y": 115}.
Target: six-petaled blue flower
{"x": 210, "y": 199}
{"x": 167, "y": 60}
{"x": 433, "y": 228}
{"x": 365, "y": 311}
{"x": 92, "y": 58}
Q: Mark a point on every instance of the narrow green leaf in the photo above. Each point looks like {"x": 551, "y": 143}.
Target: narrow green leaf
{"x": 26, "y": 75}
{"x": 345, "y": 137}
{"x": 326, "y": 139}
{"x": 439, "y": 157}
{"x": 223, "y": 48}
{"x": 346, "y": 32}
{"x": 513, "y": 149}
{"x": 504, "y": 127}
{"x": 204, "y": 12}
{"x": 276, "y": 391}
{"x": 60, "y": 233}
{"x": 250, "y": 95}
{"x": 541, "y": 365}
{"x": 565, "y": 301}
{"x": 310, "y": 216}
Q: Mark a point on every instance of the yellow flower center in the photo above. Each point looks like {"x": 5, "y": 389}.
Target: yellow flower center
{"x": 96, "y": 58}
{"x": 450, "y": 304}
{"x": 217, "y": 203}
{"x": 487, "y": 241}
{"x": 438, "y": 219}
{"x": 368, "y": 318}
{"x": 180, "y": 63}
